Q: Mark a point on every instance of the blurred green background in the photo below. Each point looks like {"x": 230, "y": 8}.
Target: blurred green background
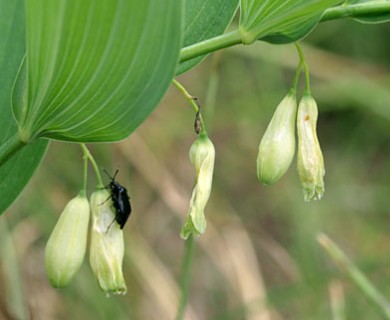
{"x": 259, "y": 258}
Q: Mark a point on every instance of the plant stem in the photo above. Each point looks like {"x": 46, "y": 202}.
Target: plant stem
{"x": 305, "y": 66}
{"x": 296, "y": 77}
{"x": 9, "y": 148}
{"x": 185, "y": 275}
{"x": 355, "y": 274}
{"x": 192, "y": 100}
{"x": 210, "y": 45}
{"x": 89, "y": 156}
{"x": 234, "y": 37}
{"x": 83, "y": 191}
{"x": 356, "y": 10}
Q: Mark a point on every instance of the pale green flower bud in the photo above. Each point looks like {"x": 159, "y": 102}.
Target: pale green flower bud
{"x": 310, "y": 160}
{"x": 202, "y": 155}
{"x": 277, "y": 147}
{"x": 65, "y": 250}
{"x": 107, "y": 245}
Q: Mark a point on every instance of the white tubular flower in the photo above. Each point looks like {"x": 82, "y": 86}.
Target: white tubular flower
{"x": 310, "y": 160}
{"x": 107, "y": 245}
{"x": 202, "y": 155}
{"x": 277, "y": 147}
{"x": 65, "y": 250}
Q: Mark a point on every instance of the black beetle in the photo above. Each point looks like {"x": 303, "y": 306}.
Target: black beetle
{"x": 120, "y": 200}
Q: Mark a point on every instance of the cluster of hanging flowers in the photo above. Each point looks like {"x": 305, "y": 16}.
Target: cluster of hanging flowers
{"x": 67, "y": 244}
{"x": 66, "y": 247}
{"x": 276, "y": 153}
{"x": 277, "y": 146}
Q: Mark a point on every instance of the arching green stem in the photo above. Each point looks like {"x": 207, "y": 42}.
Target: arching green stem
{"x": 297, "y": 75}
{"x": 210, "y": 45}
{"x": 89, "y": 156}
{"x": 233, "y": 37}
{"x": 356, "y": 10}
{"x": 83, "y": 191}
{"x": 305, "y": 66}
{"x": 192, "y": 100}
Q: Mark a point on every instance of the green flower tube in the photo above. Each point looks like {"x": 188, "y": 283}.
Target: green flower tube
{"x": 107, "y": 245}
{"x": 202, "y": 155}
{"x": 311, "y": 167}
{"x": 65, "y": 250}
{"x": 277, "y": 147}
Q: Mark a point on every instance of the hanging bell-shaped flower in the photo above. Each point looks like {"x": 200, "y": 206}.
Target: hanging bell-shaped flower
{"x": 202, "y": 155}
{"x": 277, "y": 147}
{"x": 107, "y": 245}
{"x": 65, "y": 250}
{"x": 311, "y": 167}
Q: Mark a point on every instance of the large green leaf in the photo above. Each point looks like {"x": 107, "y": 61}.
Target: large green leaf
{"x": 205, "y": 19}
{"x": 280, "y": 21}
{"x": 95, "y": 69}
{"x": 15, "y": 174}
{"x": 376, "y": 16}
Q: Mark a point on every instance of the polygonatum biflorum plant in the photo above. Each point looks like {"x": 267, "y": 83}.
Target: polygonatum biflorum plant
{"x": 92, "y": 71}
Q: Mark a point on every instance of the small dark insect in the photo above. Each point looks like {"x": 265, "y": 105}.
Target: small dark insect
{"x": 197, "y": 123}
{"x": 120, "y": 200}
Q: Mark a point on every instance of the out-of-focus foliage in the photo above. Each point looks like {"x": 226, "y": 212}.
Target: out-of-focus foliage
{"x": 260, "y": 241}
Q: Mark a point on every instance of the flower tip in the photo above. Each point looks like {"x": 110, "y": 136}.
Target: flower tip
{"x": 116, "y": 291}
{"x": 313, "y": 192}
{"x": 188, "y": 228}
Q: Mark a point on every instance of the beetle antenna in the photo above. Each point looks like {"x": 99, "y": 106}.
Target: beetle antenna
{"x": 106, "y": 172}
{"x": 116, "y": 172}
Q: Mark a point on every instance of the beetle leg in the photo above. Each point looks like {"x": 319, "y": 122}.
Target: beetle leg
{"x": 105, "y": 200}
{"x": 109, "y": 226}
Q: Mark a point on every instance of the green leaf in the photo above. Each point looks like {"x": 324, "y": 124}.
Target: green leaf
{"x": 205, "y": 19}
{"x": 348, "y": 2}
{"x": 280, "y": 21}
{"x": 95, "y": 69}
{"x": 374, "y": 17}
{"x": 15, "y": 174}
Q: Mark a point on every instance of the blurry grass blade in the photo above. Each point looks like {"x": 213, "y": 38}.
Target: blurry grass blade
{"x": 280, "y": 21}
{"x": 337, "y": 300}
{"x": 15, "y": 174}
{"x": 339, "y": 257}
{"x": 205, "y": 19}
{"x": 13, "y": 282}
{"x": 95, "y": 69}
